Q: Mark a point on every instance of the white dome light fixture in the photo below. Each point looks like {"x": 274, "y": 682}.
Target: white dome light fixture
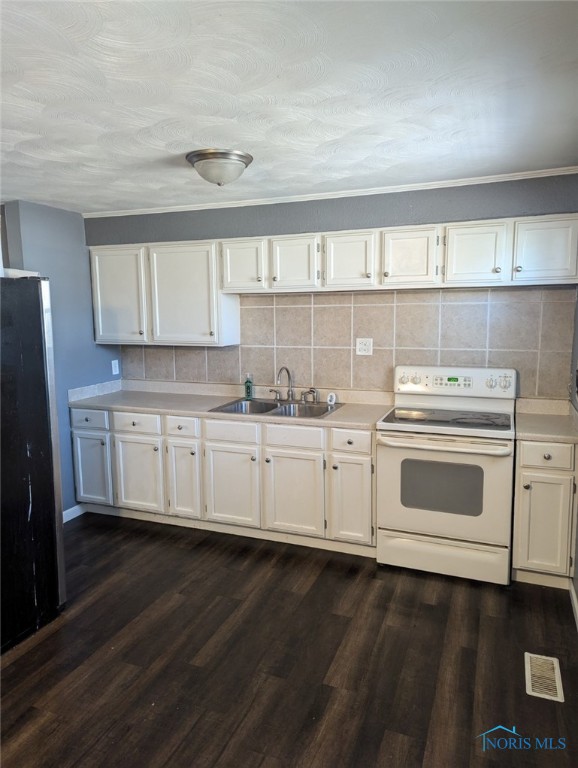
{"x": 219, "y": 166}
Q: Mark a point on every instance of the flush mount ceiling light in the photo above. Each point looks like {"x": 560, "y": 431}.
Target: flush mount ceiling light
{"x": 219, "y": 166}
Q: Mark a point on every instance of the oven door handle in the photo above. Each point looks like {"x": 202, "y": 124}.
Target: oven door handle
{"x": 496, "y": 450}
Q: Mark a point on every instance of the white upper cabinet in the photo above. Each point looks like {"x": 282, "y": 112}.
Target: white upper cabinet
{"x": 546, "y": 250}
{"x": 478, "y": 254}
{"x": 183, "y": 293}
{"x": 350, "y": 259}
{"x": 244, "y": 264}
{"x": 119, "y": 294}
{"x": 410, "y": 256}
{"x": 165, "y": 293}
{"x": 295, "y": 262}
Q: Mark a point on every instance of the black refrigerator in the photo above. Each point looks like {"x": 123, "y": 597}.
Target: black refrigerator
{"x": 33, "y": 588}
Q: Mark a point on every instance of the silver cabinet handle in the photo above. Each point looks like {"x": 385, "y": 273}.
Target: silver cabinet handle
{"x": 497, "y": 269}
{"x": 527, "y": 486}
{"x": 517, "y": 269}
{"x": 141, "y": 333}
{"x": 259, "y": 279}
{"x": 267, "y": 461}
{"x": 253, "y": 458}
{"x": 368, "y": 274}
{"x": 275, "y": 278}
{"x": 386, "y": 274}
{"x": 335, "y": 466}
{"x": 193, "y": 453}
{"x": 350, "y": 442}
{"x": 211, "y": 333}
{"x": 156, "y": 448}
{"x": 86, "y": 418}
{"x": 548, "y": 456}
{"x": 179, "y": 426}
{"x": 102, "y": 442}
{"x": 134, "y": 423}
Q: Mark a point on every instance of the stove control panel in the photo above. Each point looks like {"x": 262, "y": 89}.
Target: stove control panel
{"x": 459, "y": 382}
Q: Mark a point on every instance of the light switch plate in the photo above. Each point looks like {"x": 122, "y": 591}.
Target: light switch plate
{"x": 364, "y": 346}
{"x": 115, "y": 370}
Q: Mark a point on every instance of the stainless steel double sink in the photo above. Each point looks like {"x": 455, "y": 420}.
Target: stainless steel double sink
{"x": 275, "y": 408}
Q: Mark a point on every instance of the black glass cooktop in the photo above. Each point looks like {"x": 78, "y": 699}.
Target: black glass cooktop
{"x": 442, "y": 417}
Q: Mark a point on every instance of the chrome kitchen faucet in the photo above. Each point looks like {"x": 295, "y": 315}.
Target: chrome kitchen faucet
{"x": 290, "y": 391}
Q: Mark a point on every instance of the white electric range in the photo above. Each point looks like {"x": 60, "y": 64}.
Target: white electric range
{"x": 445, "y": 465}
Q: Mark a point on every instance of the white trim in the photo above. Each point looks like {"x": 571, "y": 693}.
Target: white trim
{"x": 238, "y": 530}
{"x": 70, "y": 514}
{"x": 542, "y": 579}
{"x": 345, "y": 193}
{"x": 574, "y": 601}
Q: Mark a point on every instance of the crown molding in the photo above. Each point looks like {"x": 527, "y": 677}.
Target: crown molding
{"x": 349, "y": 193}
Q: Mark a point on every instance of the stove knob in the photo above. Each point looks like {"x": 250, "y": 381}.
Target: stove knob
{"x": 491, "y": 383}
{"x": 403, "y": 379}
{"x": 415, "y": 379}
{"x": 505, "y": 382}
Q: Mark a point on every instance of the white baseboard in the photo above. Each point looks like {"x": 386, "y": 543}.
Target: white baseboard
{"x": 70, "y": 514}
{"x": 574, "y": 601}
{"x": 541, "y": 579}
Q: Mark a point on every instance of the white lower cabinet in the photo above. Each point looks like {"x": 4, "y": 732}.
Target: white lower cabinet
{"x": 349, "y": 498}
{"x": 139, "y": 472}
{"x": 543, "y": 507}
{"x": 232, "y": 483}
{"x": 183, "y": 477}
{"x": 294, "y": 492}
{"x": 92, "y": 466}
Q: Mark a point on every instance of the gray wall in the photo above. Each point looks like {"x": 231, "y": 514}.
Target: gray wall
{"x": 527, "y": 197}
{"x": 52, "y": 242}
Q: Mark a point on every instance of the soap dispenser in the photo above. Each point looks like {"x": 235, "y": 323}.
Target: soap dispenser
{"x": 249, "y": 386}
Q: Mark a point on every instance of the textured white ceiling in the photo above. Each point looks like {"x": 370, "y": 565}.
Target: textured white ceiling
{"x": 102, "y": 100}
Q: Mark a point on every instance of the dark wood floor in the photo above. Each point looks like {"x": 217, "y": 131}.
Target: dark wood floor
{"x": 183, "y": 648}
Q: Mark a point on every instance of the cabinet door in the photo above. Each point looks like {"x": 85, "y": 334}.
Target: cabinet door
{"x": 295, "y": 262}
{"x": 244, "y": 264}
{"x": 349, "y": 489}
{"x": 92, "y": 466}
{"x": 232, "y": 484}
{"x": 184, "y": 293}
{"x": 546, "y": 250}
{"x": 350, "y": 259}
{"x": 119, "y": 294}
{"x": 139, "y": 472}
{"x": 409, "y": 256}
{"x": 542, "y": 522}
{"x": 478, "y": 253}
{"x": 183, "y": 477}
{"x": 294, "y": 492}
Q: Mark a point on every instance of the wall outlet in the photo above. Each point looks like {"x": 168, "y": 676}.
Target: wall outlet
{"x": 115, "y": 370}
{"x": 364, "y": 346}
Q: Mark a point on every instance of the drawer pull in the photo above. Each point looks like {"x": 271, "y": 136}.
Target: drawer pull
{"x": 253, "y": 458}
{"x": 267, "y": 461}
{"x": 180, "y": 426}
{"x": 517, "y": 269}
{"x": 141, "y": 333}
{"x": 335, "y": 466}
{"x": 192, "y": 453}
{"x": 155, "y": 448}
{"x": 102, "y": 442}
{"x": 134, "y": 423}
{"x": 350, "y": 442}
{"x": 86, "y": 418}
{"x": 548, "y": 456}
{"x": 527, "y": 486}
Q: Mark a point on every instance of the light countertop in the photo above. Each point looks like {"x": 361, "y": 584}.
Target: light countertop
{"x": 541, "y": 426}
{"x": 347, "y": 416}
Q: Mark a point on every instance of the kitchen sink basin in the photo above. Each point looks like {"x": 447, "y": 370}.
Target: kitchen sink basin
{"x": 247, "y": 406}
{"x": 303, "y": 410}
{"x": 274, "y": 408}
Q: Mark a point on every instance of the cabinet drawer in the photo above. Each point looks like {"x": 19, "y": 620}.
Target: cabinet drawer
{"x": 231, "y": 431}
{"x": 84, "y": 417}
{"x": 141, "y": 423}
{"x": 353, "y": 440}
{"x": 182, "y": 426}
{"x": 550, "y": 455}
{"x": 294, "y": 436}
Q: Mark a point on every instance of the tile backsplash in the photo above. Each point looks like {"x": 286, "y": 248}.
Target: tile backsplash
{"x": 530, "y": 329}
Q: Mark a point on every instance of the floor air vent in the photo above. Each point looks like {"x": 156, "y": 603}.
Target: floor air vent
{"x": 543, "y": 677}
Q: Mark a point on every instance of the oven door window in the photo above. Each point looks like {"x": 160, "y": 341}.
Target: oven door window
{"x": 440, "y": 486}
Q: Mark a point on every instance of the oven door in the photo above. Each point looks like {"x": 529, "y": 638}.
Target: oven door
{"x": 459, "y": 488}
